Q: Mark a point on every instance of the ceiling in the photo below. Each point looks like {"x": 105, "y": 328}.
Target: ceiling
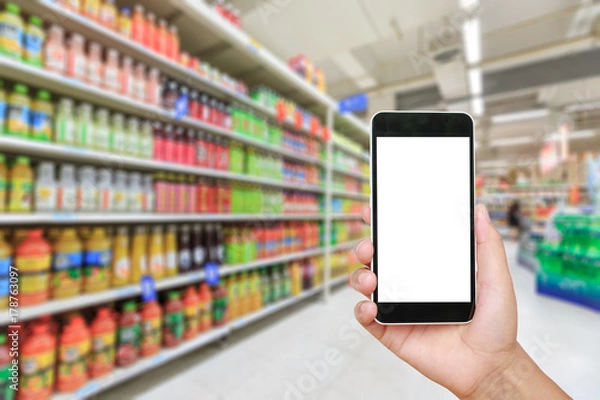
{"x": 535, "y": 54}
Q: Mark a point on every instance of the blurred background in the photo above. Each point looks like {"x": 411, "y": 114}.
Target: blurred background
{"x": 181, "y": 184}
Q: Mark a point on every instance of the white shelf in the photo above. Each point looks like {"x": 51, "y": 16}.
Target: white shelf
{"x": 346, "y": 217}
{"x": 350, "y": 195}
{"x": 120, "y": 375}
{"x": 65, "y": 86}
{"x": 351, "y": 152}
{"x": 352, "y": 174}
{"x": 92, "y": 299}
{"x": 61, "y": 153}
{"x": 344, "y": 246}
{"x": 143, "y": 218}
{"x": 89, "y": 29}
{"x": 338, "y": 281}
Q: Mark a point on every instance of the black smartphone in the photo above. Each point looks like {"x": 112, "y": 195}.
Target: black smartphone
{"x": 422, "y": 214}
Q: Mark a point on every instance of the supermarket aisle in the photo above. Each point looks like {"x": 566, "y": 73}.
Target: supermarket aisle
{"x": 278, "y": 358}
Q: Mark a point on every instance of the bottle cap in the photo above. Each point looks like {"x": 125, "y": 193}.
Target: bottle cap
{"x": 130, "y": 306}
{"x": 35, "y": 20}
{"x": 22, "y": 89}
{"x": 22, "y": 160}
{"x": 13, "y": 8}
{"x": 43, "y": 95}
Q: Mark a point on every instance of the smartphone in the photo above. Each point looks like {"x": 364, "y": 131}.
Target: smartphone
{"x": 422, "y": 214}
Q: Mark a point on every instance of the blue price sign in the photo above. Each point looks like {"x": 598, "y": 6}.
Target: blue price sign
{"x": 211, "y": 273}
{"x": 181, "y": 107}
{"x": 148, "y": 288}
{"x": 359, "y": 102}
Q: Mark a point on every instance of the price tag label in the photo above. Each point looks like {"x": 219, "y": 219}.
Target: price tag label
{"x": 181, "y": 107}
{"x": 211, "y": 273}
{"x": 148, "y": 288}
{"x": 87, "y": 389}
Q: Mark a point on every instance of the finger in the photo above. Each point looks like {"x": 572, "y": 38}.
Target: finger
{"x": 365, "y": 313}
{"x": 364, "y": 252}
{"x": 364, "y": 281}
{"x": 365, "y": 212}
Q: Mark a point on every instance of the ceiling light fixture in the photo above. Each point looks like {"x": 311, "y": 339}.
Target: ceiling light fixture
{"x": 472, "y": 41}
{"x": 477, "y": 106}
{"x": 520, "y": 116}
{"x": 475, "y": 81}
{"x": 467, "y": 4}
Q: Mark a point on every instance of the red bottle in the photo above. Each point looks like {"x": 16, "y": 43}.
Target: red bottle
{"x": 159, "y": 141}
{"x": 194, "y": 105}
{"x": 202, "y": 149}
{"x": 179, "y": 145}
{"x": 169, "y": 143}
{"x": 190, "y": 147}
{"x": 202, "y": 196}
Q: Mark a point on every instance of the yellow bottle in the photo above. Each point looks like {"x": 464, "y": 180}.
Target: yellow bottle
{"x": 296, "y": 278}
{"x": 256, "y": 296}
{"x": 66, "y": 265}
{"x": 3, "y": 182}
{"x": 139, "y": 251}
{"x": 5, "y": 263}
{"x": 97, "y": 261}
{"x": 156, "y": 253}
{"x": 171, "y": 251}
{"x": 121, "y": 265}
{"x": 232, "y": 299}
{"x": 21, "y": 186}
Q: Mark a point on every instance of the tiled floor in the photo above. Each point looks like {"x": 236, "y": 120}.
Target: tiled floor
{"x": 285, "y": 357}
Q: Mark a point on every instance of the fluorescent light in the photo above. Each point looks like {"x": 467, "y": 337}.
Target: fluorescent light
{"x": 472, "y": 41}
{"x": 513, "y": 141}
{"x": 467, "y": 4}
{"x": 365, "y": 82}
{"x": 475, "y": 81}
{"x": 583, "y": 134}
{"x": 477, "y": 106}
{"x": 520, "y": 116}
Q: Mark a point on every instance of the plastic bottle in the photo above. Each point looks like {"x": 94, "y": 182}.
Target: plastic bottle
{"x": 73, "y": 352}
{"x": 34, "y": 41}
{"x": 120, "y": 192}
{"x": 96, "y": 261}
{"x": 132, "y": 147}
{"x": 151, "y": 332}
{"x": 87, "y": 191}
{"x": 126, "y": 86}
{"x": 255, "y": 293}
{"x": 220, "y": 306}
{"x": 64, "y": 123}
{"x": 95, "y": 65}
{"x": 102, "y": 130}
{"x": 76, "y": 58}
{"x": 42, "y": 112}
{"x": 125, "y": 23}
{"x": 150, "y": 35}
{"x": 2, "y": 107}
{"x": 105, "y": 192}
{"x": 205, "y": 300}
{"x": 20, "y": 184}
{"x": 156, "y": 253}
{"x": 84, "y": 126}
{"x": 66, "y": 265}
{"x": 128, "y": 335}
{"x": 112, "y": 72}
{"x": 45, "y": 187}
{"x": 6, "y": 392}
{"x": 138, "y": 24}
{"x": 5, "y": 263}
{"x": 173, "y": 43}
{"x": 107, "y": 15}
{"x": 174, "y": 323}
{"x": 91, "y": 9}
{"x": 55, "y": 51}
{"x": 33, "y": 259}
{"x": 185, "y": 249}
{"x": 104, "y": 333}
{"x": 11, "y": 31}
{"x": 37, "y": 363}
{"x": 191, "y": 303}
{"x": 154, "y": 87}
{"x": 121, "y": 265}
{"x": 146, "y": 140}
{"x": 72, "y": 5}
{"x": 233, "y": 310}
{"x": 149, "y": 197}
{"x": 18, "y": 112}
{"x": 171, "y": 251}
{"x": 139, "y": 251}
{"x": 67, "y": 189}
{"x": 162, "y": 38}
{"x": 135, "y": 193}
{"x": 199, "y": 251}
{"x": 117, "y": 134}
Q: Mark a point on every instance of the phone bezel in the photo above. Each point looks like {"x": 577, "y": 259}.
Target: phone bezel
{"x": 423, "y": 124}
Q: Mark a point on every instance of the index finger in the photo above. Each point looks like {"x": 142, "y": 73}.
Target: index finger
{"x": 366, "y": 214}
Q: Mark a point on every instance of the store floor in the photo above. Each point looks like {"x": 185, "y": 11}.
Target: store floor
{"x": 285, "y": 357}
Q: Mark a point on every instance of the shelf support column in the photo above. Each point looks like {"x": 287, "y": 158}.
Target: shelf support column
{"x": 328, "y": 208}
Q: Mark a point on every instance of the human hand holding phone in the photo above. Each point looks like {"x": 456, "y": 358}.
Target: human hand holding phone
{"x": 478, "y": 360}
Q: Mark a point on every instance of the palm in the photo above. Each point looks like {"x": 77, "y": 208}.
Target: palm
{"x": 459, "y": 356}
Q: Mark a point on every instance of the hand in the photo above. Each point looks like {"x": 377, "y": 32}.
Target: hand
{"x": 481, "y": 359}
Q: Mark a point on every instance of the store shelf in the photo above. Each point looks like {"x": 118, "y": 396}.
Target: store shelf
{"x": 350, "y": 195}
{"x": 344, "y": 246}
{"x": 110, "y": 39}
{"x": 338, "y": 281}
{"x": 69, "y": 87}
{"x": 351, "y": 152}
{"x": 93, "y": 299}
{"x": 60, "y": 153}
{"x": 346, "y": 217}
{"x": 120, "y": 375}
{"x": 142, "y": 218}
{"x": 352, "y": 174}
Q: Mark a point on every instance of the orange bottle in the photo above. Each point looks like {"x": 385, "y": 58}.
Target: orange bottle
{"x": 73, "y": 351}
{"x": 33, "y": 259}
{"x": 151, "y": 335}
{"x": 191, "y": 311}
{"x": 173, "y": 46}
{"x": 174, "y": 320}
{"x": 138, "y": 24}
{"x": 104, "y": 335}
{"x": 205, "y": 306}
{"x": 37, "y": 363}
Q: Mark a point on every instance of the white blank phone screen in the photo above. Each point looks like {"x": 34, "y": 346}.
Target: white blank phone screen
{"x": 423, "y": 220}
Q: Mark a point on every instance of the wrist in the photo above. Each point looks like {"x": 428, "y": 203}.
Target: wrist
{"x": 518, "y": 378}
